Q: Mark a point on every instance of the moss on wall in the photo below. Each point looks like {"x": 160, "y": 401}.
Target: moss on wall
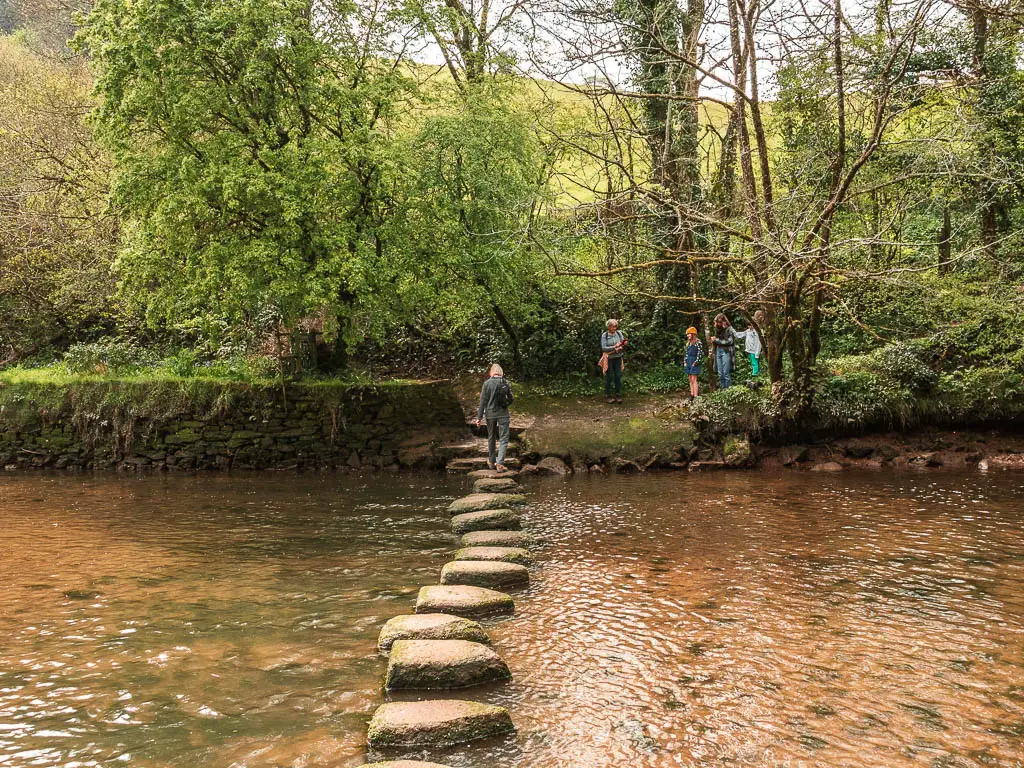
{"x": 197, "y": 423}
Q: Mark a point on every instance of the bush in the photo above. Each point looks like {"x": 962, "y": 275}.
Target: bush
{"x": 737, "y": 409}
{"x": 183, "y": 364}
{"x": 109, "y": 355}
{"x": 862, "y": 399}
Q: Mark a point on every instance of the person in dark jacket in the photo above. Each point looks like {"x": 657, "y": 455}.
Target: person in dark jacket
{"x": 498, "y": 417}
{"x": 612, "y": 343}
{"x": 724, "y": 342}
{"x": 694, "y": 359}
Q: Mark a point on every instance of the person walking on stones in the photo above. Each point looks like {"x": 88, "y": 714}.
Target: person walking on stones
{"x": 724, "y": 342}
{"x": 694, "y": 358}
{"x": 752, "y": 344}
{"x": 612, "y": 343}
{"x": 495, "y": 398}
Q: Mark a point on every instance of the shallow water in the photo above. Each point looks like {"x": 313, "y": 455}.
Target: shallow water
{"x": 674, "y": 620}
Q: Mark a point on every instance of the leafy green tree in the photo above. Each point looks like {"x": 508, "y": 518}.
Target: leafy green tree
{"x": 479, "y": 172}
{"x": 251, "y": 141}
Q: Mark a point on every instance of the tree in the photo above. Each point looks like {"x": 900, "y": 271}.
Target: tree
{"x": 251, "y": 139}
{"x": 768, "y": 224}
{"x": 59, "y": 233}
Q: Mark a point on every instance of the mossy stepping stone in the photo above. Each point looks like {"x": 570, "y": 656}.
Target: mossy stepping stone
{"x": 487, "y": 520}
{"x": 468, "y": 602}
{"x": 497, "y": 539}
{"x": 476, "y": 502}
{"x": 429, "y": 626}
{"x": 476, "y": 474}
{"x": 404, "y": 764}
{"x": 479, "y": 573}
{"x": 422, "y": 665}
{"x": 516, "y": 555}
{"x": 437, "y": 723}
{"x": 495, "y": 485}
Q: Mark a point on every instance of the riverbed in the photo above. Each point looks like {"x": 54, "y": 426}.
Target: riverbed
{"x": 755, "y": 619}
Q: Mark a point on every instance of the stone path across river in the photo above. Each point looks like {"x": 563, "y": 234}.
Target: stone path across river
{"x": 440, "y": 646}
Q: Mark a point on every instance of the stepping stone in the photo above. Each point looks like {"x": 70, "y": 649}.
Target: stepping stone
{"x": 497, "y": 539}
{"x": 468, "y": 602}
{"x": 429, "y": 626}
{"x": 479, "y": 463}
{"x": 438, "y": 723}
{"x": 467, "y": 464}
{"x": 476, "y": 502}
{"x": 421, "y": 665}
{"x": 495, "y": 485}
{"x": 476, "y": 474}
{"x": 488, "y": 520}
{"x": 403, "y": 764}
{"x": 478, "y": 573}
{"x": 516, "y": 555}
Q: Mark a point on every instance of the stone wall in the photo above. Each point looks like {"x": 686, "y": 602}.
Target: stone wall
{"x": 196, "y": 424}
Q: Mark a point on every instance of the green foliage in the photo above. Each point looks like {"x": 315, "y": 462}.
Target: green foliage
{"x": 735, "y": 410}
{"x": 57, "y": 234}
{"x": 109, "y": 354}
{"x": 251, "y": 154}
{"x": 906, "y": 364}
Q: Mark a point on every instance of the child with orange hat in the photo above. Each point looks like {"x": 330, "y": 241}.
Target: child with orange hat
{"x": 694, "y": 358}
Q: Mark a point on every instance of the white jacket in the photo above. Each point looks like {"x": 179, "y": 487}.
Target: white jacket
{"x": 752, "y": 341}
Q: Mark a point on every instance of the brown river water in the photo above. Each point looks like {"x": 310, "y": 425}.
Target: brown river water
{"x": 755, "y": 619}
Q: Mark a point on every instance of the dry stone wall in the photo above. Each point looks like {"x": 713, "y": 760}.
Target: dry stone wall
{"x": 217, "y": 425}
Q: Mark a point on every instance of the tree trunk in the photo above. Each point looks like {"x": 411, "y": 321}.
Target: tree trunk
{"x": 945, "y": 246}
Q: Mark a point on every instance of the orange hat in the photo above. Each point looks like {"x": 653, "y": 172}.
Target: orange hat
{"x": 690, "y": 330}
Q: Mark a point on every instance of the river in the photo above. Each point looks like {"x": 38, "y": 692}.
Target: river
{"x": 751, "y": 619}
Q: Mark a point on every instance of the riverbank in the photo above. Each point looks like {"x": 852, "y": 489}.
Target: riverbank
{"x": 98, "y": 422}
{"x": 733, "y": 430}
{"x": 860, "y": 419}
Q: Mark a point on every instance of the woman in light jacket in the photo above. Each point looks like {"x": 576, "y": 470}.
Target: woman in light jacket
{"x": 612, "y": 343}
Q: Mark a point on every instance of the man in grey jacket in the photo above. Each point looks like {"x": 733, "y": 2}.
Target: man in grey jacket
{"x": 496, "y": 410}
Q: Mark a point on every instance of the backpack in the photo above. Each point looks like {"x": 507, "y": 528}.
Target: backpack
{"x": 504, "y": 396}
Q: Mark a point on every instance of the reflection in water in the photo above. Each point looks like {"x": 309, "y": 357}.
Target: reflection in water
{"x": 675, "y": 620}
{"x": 171, "y": 621}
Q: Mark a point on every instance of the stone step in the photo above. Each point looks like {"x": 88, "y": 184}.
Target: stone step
{"x": 467, "y": 602}
{"x": 404, "y": 764}
{"x": 496, "y": 485}
{"x": 476, "y": 474}
{"x": 476, "y": 502}
{"x": 467, "y": 465}
{"x": 516, "y": 555}
{"x": 429, "y": 626}
{"x": 437, "y": 723}
{"x": 424, "y": 665}
{"x": 497, "y": 539}
{"x": 479, "y": 573}
{"x": 487, "y": 520}
{"x": 476, "y": 463}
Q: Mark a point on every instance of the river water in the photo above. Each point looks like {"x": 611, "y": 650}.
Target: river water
{"x": 860, "y": 619}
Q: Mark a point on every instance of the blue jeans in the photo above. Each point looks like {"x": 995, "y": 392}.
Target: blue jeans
{"x": 497, "y": 431}
{"x": 723, "y": 362}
